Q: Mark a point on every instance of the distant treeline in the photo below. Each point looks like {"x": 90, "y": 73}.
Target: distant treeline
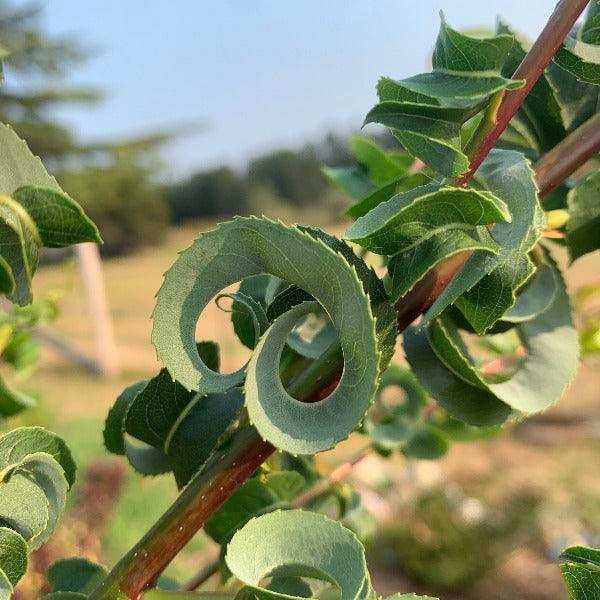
{"x": 287, "y": 177}
{"x": 131, "y": 211}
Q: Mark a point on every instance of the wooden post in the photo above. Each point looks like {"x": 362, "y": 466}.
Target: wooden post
{"x": 92, "y": 278}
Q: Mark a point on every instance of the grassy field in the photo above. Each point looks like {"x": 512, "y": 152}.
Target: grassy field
{"x": 552, "y": 457}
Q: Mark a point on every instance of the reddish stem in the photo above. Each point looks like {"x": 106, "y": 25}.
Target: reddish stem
{"x": 565, "y": 158}
{"x": 536, "y": 60}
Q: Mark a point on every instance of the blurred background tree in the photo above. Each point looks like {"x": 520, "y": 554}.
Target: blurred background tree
{"x": 123, "y": 200}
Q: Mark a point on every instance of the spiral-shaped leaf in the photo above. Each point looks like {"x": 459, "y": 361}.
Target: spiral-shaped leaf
{"x": 322, "y": 549}
{"x": 251, "y": 246}
{"x": 443, "y": 365}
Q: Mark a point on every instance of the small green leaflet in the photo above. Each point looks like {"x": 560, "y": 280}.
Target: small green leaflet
{"x": 391, "y": 426}
{"x": 19, "y": 250}
{"x": 426, "y": 111}
{"x": 381, "y": 166}
{"x": 75, "y": 575}
{"x": 251, "y": 246}
{"x": 13, "y": 559}
{"x": 60, "y": 220}
{"x": 376, "y": 167}
{"x": 411, "y": 218}
{"x": 580, "y": 568}
{"x": 408, "y": 268}
{"x": 32, "y": 496}
{"x": 487, "y": 283}
{"x": 430, "y": 132}
{"x": 13, "y": 402}
{"x": 353, "y": 181}
{"x": 580, "y": 52}
{"x": 322, "y": 549}
{"x": 444, "y": 367}
{"x": 161, "y": 427}
{"x": 583, "y": 226}
{"x": 404, "y": 183}
{"x": 39, "y": 214}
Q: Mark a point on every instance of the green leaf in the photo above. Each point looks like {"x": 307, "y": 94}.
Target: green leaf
{"x": 251, "y": 246}
{"x": 178, "y": 429}
{"x": 114, "y": 426}
{"x": 444, "y": 367}
{"x": 59, "y": 219}
{"x": 488, "y": 282}
{"x": 6, "y": 588}
{"x": 580, "y": 52}
{"x": 578, "y": 101}
{"x": 535, "y": 296}
{"x": 356, "y": 517}
{"x": 455, "y": 51}
{"x": 13, "y": 402}
{"x": 379, "y": 164}
{"x": 19, "y": 167}
{"x": 353, "y": 181}
{"x": 32, "y": 496}
{"x": 383, "y": 311}
{"x": 583, "y": 226}
{"x": 426, "y": 443}
{"x": 430, "y": 132}
{"x": 248, "y": 318}
{"x": 404, "y": 183}
{"x": 409, "y": 219}
{"x": 580, "y": 568}
{"x": 408, "y": 268}
{"x": 322, "y": 549}
{"x": 7, "y": 280}
{"x": 200, "y": 431}
{"x": 13, "y": 556}
{"x": 23, "y": 441}
{"x": 426, "y": 111}
{"x": 75, "y": 575}
{"x": 19, "y": 249}
{"x": 257, "y": 496}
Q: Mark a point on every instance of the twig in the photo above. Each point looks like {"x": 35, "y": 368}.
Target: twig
{"x": 536, "y": 60}
{"x": 565, "y": 158}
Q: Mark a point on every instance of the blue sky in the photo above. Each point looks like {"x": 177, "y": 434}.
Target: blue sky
{"x": 258, "y": 73}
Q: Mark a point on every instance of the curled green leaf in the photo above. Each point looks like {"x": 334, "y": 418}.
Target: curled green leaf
{"x": 306, "y": 428}
{"x": 444, "y": 366}
{"x": 40, "y": 479}
{"x": 322, "y": 549}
